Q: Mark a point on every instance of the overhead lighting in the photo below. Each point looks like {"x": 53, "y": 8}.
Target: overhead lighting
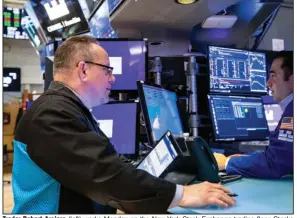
{"x": 220, "y": 21}
{"x": 185, "y": 2}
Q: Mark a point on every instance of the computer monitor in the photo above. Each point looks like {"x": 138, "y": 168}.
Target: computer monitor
{"x": 238, "y": 118}
{"x": 161, "y": 157}
{"x": 120, "y": 122}
{"x": 12, "y": 23}
{"x": 237, "y": 71}
{"x": 160, "y": 110}
{"x": 60, "y": 19}
{"x": 129, "y": 60}
{"x": 11, "y": 79}
{"x": 32, "y": 27}
{"x": 113, "y": 5}
{"x": 100, "y": 24}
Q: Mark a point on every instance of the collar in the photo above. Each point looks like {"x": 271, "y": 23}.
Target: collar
{"x": 77, "y": 95}
{"x": 284, "y": 103}
{"x": 66, "y": 91}
{"x": 60, "y": 85}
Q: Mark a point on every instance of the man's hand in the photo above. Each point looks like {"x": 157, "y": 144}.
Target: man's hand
{"x": 221, "y": 160}
{"x": 205, "y": 194}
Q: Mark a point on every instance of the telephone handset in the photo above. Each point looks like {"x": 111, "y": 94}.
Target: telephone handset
{"x": 208, "y": 153}
{"x": 203, "y": 158}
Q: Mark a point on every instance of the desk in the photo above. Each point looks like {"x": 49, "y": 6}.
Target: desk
{"x": 254, "y": 196}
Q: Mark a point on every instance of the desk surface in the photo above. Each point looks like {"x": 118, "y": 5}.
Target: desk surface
{"x": 254, "y": 196}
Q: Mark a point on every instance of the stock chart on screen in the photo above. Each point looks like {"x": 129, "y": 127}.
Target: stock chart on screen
{"x": 237, "y": 71}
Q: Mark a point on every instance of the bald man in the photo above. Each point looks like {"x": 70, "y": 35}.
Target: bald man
{"x": 64, "y": 163}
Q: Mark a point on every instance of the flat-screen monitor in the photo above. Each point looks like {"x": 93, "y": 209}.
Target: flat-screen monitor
{"x": 237, "y": 71}
{"x": 129, "y": 60}
{"x": 113, "y": 4}
{"x": 12, "y": 23}
{"x": 238, "y": 118}
{"x": 161, "y": 156}
{"x": 273, "y": 114}
{"x": 11, "y": 79}
{"x": 48, "y": 50}
{"x": 100, "y": 24}
{"x": 120, "y": 123}
{"x": 160, "y": 110}
{"x": 32, "y": 27}
{"x": 60, "y": 18}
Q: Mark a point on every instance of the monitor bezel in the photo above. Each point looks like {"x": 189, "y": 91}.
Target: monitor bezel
{"x": 95, "y": 9}
{"x": 144, "y": 110}
{"x": 236, "y": 139}
{"x": 145, "y": 62}
{"x": 137, "y": 123}
{"x": 235, "y": 92}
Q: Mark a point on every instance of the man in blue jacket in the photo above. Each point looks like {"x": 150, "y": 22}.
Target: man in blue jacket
{"x": 277, "y": 160}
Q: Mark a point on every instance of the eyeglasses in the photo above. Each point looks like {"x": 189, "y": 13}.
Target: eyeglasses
{"x": 107, "y": 68}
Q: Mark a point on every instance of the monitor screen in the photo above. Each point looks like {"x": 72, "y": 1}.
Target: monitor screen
{"x": 12, "y": 23}
{"x": 48, "y": 50}
{"x": 160, "y": 112}
{"x": 100, "y": 24}
{"x": 237, "y": 71}
{"x": 113, "y": 4}
{"x": 238, "y": 118}
{"x": 32, "y": 27}
{"x": 120, "y": 127}
{"x": 157, "y": 161}
{"x": 129, "y": 60}
{"x": 60, "y": 19}
{"x": 273, "y": 114}
{"x": 11, "y": 79}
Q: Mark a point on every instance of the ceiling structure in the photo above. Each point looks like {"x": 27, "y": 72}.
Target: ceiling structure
{"x": 161, "y": 20}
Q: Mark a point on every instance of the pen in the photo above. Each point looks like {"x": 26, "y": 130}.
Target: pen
{"x": 232, "y": 194}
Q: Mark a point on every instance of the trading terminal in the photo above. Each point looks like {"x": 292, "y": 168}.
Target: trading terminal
{"x": 179, "y": 86}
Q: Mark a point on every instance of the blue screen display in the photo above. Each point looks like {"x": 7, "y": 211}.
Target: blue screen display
{"x": 32, "y": 27}
{"x": 162, "y": 111}
{"x": 113, "y": 4}
{"x": 128, "y": 58}
{"x": 100, "y": 24}
{"x": 159, "y": 158}
{"x": 237, "y": 71}
{"x": 118, "y": 126}
{"x": 238, "y": 118}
